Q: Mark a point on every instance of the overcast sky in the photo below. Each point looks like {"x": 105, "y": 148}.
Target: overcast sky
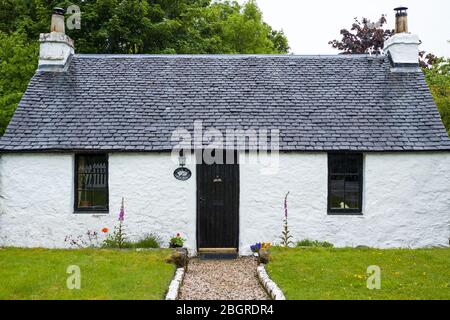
{"x": 309, "y": 25}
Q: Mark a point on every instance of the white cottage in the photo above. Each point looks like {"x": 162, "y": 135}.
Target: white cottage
{"x": 355, "y": 139}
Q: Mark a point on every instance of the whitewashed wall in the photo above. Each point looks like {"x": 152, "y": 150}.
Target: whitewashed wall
{"x": 406, "y": 201}
{"x": 37, "y": 203}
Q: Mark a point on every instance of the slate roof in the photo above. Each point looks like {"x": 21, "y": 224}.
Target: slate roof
{"x": 319, "y": 103}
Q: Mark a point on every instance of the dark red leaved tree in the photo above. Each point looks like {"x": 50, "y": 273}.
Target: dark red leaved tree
{"x": 368, "y": 37}
{"x": 363, "y": 37}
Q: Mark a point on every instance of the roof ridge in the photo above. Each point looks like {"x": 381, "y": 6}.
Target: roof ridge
{"x": 226, "y": 56}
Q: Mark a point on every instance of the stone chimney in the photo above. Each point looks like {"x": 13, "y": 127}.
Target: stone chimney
{"x": 403, "y": 47}
{"x": 56, "y": 49}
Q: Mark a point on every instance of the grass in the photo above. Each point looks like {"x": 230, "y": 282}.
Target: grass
{"x": 105, "y": 274}
{"x": 325, "y": 273}
{"x": 313, "y": 243}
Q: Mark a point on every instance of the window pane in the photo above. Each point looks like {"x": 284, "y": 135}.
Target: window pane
{"x": 337, "y": 182}
{"x": 84, "y": 198}
{"x": 345, "y": 163}
{"x": 99, "y": 198}
{"x": 337, "y": 199}
{"x": 336, "y": 164}
{"x": 92, "y": 182}
{"x": 345, "y": 181}
{"x": 352, "y": 191}
{"x": 351, "y": 183}
{"x": 352, "y": 200}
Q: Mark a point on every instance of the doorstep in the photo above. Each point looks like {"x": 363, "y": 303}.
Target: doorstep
{"x": 217, "y": 253}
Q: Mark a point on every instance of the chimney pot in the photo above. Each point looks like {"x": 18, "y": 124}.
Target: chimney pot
{"x": 401, "y": 19}
{"x": 58, "y": 24}
{"x": 59, "y": 11}
{"x": 56, "y": 48}
{"x": 403, "y": 47}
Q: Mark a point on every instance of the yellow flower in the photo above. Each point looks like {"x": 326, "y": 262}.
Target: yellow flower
{"x": 266, "y": 245}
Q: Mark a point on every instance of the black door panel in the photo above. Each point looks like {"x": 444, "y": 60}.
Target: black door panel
{"x": 218, "y": 205}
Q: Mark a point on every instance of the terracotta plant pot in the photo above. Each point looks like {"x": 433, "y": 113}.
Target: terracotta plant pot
{"x": 85, "y": 203}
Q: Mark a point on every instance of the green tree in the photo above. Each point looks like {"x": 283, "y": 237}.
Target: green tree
{"x": 152, "y": 26}
{"x": 245, "y": 32}
{"x": 18, "y": 61}
{"x": 438, "y": 79}
{"x": 129, "y": 27}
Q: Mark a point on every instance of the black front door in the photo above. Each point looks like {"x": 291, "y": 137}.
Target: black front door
{"x": 218, "y": 205}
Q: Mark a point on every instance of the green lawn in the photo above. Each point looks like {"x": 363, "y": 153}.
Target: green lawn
{"x": 319, "y": 273}
{"x": 105, "y": 274}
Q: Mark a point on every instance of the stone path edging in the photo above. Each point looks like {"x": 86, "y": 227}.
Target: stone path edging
{"x": 217, "y": 279}
{"x": 175, "y": 285}
{"x": 271, "y": 287}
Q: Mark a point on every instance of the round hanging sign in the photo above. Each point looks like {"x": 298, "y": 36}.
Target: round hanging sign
{"x": 182, "y": 173}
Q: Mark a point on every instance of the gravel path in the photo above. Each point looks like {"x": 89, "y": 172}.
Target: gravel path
{"x": 222, "y": 280}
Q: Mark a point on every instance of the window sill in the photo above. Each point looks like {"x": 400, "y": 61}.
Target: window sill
{"x": 344, "y": 213}
{"x": 93, "y": 212}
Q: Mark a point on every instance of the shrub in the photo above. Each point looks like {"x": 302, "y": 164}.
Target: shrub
{"x": 150, "y": 240}
{"x": 112, "y": 243}
{"x": 314, "y": 243}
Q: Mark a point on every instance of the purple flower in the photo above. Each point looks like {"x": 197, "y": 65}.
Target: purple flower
{"x": 285, "y": 205}
{"x": 256, "y": 247}
{"x": 122, "y": 212}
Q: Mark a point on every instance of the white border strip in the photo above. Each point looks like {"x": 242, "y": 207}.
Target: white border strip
{"x": 175, "y": 285}
{"x": 271, "y": 287}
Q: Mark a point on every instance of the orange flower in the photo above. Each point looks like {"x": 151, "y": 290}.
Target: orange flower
{"x": 105, "y": 230}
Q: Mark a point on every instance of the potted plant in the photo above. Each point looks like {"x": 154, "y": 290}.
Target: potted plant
{"x": 261, "y": 250}
{"x": 177, "y": 241}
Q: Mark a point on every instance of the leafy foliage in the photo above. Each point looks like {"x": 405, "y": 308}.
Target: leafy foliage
{"x": 18, "y": 61}
{"x": 117, "y": 239}
{"x": 150, "y": 240}
{"x": 152, "y": 26}
{"x": 129, "y": 27}
{"x": 426, "y": 60}
{"x": 363, "y": 37}
{"x": 314, "y": 243}
{"x": 438, "y": 79}
{"x": 177, "y": 241}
